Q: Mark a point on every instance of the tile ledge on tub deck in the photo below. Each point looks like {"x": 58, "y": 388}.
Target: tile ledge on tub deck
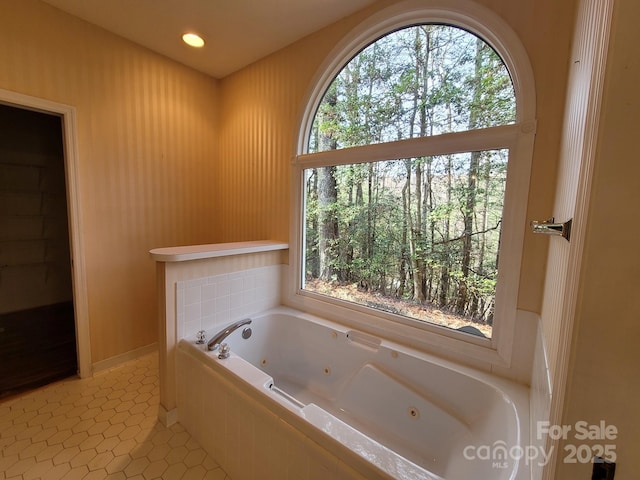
{"x": 196, "y": 252}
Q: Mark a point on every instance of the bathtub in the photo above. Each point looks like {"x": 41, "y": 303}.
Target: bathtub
{"x": 371, "y": 407}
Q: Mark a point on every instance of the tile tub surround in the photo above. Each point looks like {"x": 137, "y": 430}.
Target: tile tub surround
{"x": 211, "y": 303}
{"x": 179, "y": 265}
{"x": 102, "y": 427}
{"x": 540, "y": 398}
{"x": 251, "y": 441}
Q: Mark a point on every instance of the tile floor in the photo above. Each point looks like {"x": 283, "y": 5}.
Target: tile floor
{"x": 100, "y": 427}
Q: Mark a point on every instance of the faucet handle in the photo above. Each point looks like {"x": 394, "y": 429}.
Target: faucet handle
{"x": 200, "y": 337}
{"x": 224, "y": 352}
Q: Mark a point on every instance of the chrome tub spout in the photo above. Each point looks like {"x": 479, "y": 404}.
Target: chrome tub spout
{"x": 220, "y": 336}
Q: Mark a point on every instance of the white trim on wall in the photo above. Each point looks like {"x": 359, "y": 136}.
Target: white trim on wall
{"x": 80, "y": 298}
{"x": 591, "y": 43}
{"x": 119, "y": 360}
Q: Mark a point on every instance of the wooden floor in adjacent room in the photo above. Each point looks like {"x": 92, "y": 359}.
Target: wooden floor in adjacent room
{"x": 37, "y": 346}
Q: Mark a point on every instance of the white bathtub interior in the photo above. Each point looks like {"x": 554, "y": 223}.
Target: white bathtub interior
{"x": 409, "y": 414}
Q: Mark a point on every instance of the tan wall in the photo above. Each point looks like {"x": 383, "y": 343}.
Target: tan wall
{"x": 262, "y": 104}
{"x": 146, "y": 150}
{"x": 147, "y": 142}
{"x": 603, "y": 383}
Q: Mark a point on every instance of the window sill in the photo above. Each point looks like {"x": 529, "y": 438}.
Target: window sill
{"x": 480, "y": 353}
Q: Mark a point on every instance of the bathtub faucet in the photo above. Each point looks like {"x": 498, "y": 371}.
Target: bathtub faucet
{"x": 220, "y": 336}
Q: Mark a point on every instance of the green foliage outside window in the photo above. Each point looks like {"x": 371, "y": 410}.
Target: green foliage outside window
{"x": 415, "y": 236}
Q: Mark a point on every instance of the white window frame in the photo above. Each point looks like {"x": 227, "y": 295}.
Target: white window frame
{"x": 518, "y": 138}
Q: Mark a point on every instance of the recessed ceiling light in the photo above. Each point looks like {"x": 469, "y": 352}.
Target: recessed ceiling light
{"x": 193, "y": 40}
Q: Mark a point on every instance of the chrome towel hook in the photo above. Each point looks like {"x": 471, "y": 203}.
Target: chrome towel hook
{"x": 549, "y": 227}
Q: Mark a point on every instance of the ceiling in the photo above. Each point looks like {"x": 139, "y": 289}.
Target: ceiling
{"x": 236, "y": 32}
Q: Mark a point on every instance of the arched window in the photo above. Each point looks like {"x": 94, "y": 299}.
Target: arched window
{"x": 413, "y": 157}
{"x": 419, "y": 81}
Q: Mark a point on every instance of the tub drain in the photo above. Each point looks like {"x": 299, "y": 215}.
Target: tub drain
{"x": 414, "y": 412}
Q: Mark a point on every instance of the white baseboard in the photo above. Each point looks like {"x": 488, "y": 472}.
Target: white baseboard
{"x": 118, "y": 360}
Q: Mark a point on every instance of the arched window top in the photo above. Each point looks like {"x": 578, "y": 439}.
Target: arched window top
{"x": 462, "y": 16}
{"x": 421, "y": 80}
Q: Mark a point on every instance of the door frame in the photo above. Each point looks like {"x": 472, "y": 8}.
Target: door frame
{"x": 78, "y": 266}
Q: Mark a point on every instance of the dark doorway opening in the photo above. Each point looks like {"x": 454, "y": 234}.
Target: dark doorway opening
{"x": 37, "y": 323}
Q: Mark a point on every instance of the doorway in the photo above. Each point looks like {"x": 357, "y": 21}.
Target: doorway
{"x": 37, "y": 322}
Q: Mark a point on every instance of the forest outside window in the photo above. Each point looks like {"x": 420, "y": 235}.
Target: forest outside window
{"x": 405, "y": 179}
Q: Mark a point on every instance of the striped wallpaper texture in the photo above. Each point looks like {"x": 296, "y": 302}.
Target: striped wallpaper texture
{"x": 168, "y": 156}
{"x": 262, "y": 107}
{"x": 146, "y": 131}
